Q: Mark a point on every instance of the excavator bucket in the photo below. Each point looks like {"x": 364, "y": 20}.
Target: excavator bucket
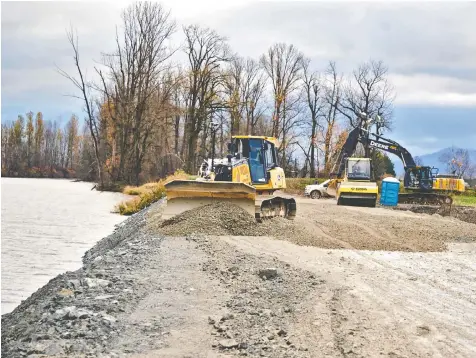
{"x": 183, "y": 195}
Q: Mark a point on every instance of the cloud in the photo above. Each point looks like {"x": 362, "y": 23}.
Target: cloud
{"x": 425, "y": 89}
{"x": 429, "y": 48}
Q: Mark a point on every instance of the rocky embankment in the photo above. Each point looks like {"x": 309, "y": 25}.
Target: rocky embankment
{"x": 142, "y": 293}
{"x": 77, "y": 312}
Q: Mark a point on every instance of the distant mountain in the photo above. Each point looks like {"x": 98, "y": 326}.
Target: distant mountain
{"x": 433, "y": 160}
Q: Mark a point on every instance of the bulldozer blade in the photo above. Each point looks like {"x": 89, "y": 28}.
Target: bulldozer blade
{"x": 183, "y": 195}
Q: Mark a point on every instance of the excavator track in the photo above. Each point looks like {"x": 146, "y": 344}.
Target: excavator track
{"x": 425, "y": 199}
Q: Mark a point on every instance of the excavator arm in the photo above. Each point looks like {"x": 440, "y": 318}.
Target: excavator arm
{"x": 389, "y": 146}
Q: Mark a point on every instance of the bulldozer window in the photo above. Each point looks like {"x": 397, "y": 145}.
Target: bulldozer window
{"x": 258, "y": 173}
{"x": 270, "y": 161}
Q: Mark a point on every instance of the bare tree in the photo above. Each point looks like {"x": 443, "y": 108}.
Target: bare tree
{"x": 253, "y": 87}
{"x": 85, "y": 89}
{"x": 369, "y": 91}
{"x": 134, "y": 72}
{"x": 471, "y": 171}
{"x": 313, "y": 97}
{"x": 457, "y": 161}
{"x": 206, "y": 51}
{"x": 282, "y": 64}
{"x": 418, "y": 161}
{"x": 332, "y": 87}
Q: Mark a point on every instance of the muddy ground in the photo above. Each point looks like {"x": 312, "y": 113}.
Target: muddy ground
{"x": 361, "y": 282}
{"x": 463, "y": 213}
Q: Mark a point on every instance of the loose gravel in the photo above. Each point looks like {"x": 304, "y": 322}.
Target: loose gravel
{"x": 223, "y": 218}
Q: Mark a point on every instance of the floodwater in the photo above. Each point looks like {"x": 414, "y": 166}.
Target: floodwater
{"x": 47, "y": 226}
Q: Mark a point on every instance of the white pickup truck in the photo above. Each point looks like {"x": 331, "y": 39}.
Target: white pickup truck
{"x": 316, "y": 191}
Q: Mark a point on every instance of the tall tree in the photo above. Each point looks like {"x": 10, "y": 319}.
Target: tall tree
{"x": 369, "y": 92}
{"x": 85, "y": 90}
{"x": 134, "y": 72}
{"x": 332, "y": 88}
{"x": 206, "y": 51}
{"x": 72, "y": 135}
{"x": 313, "y": 97}
{"x": 30, "y": 132}
{"x": 282, "y": 64}
{"x": 457, "y": 160}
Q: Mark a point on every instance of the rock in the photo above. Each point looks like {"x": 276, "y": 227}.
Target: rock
{"x": 233, "y": 269}
{"x": 40, "y": 337}
{"x": 282, "y": 333}
{"x": 53, "y": 349}
{"x": 71, "y": 313}
{"x": 243, "y": 345}
{"x": 109, "y": 318}
{"x": 423, "y": 330}
{"x": 80, "y": 313}
{"x": 228, "y": 343}
{"x": 76, "y": 284}
{"x": 104, "y": 297}
{"x": 65, "y": 292}
{"x": 96, "y": 282}
{"x": 268, "y": 273}
{"x": 226, "y": 317}
{"x": 36, "y": 349}
{"x": 122, "y": 253}
{"x": 97, "y": 258}
{"x": 211, "y": 320}
{"x": 66, "y": 335}
{"x": 287, "y": 309}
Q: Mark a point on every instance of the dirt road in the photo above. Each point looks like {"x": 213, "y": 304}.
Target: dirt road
{"x": 373, "y": 303}
{"x": 142, "y": 293}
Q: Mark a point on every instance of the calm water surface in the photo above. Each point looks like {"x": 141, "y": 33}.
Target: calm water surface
{"x": 47, "y": 225}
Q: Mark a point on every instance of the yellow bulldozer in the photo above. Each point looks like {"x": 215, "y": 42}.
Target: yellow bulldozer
{"x": 247, "y": 177}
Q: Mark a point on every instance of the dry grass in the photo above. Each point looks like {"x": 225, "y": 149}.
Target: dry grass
{"x": 148, "y": 193}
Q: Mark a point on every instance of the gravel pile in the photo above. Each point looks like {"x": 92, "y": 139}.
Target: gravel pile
{"x": 224, "y": 218}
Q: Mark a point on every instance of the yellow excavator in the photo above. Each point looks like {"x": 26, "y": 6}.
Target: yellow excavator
{"x": 247, "y": 177}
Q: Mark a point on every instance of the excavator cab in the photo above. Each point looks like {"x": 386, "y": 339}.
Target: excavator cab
{"x": 419, "y": 178}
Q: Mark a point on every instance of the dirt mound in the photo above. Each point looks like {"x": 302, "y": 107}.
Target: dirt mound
{"x": 224, "y": 218}
{"x": 212, "y": 219}
{"x": 463, "y": 213}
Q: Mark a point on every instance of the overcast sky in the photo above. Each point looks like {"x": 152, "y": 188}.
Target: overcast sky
{"x": 429, "y": 47}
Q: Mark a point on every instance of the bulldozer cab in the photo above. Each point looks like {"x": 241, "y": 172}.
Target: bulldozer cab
{"x": 261, "y": 154}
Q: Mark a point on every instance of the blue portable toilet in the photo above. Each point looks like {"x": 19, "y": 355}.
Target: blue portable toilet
{"x": 389, "y": 191}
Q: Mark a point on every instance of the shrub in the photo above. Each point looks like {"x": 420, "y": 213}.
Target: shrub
{"x": 297, "y": 185}
{"x": 148, "y": 193}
